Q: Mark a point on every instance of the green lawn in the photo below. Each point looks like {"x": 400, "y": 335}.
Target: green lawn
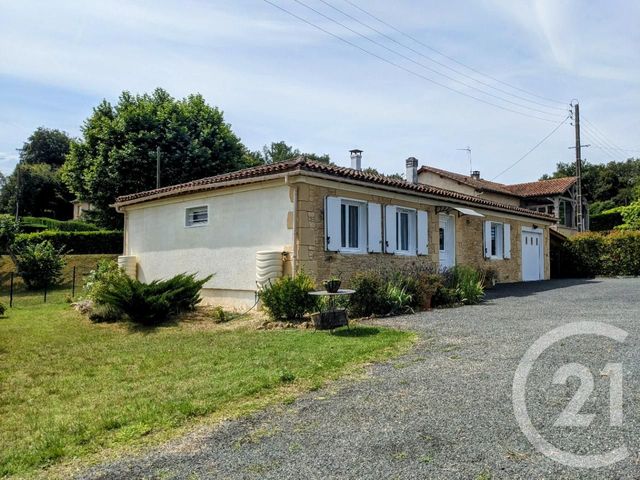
{"x": 70, "y": 388}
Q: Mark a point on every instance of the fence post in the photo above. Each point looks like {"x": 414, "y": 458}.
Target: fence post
{"x": 73, "y": 283}
{"x": 11, "y": 292}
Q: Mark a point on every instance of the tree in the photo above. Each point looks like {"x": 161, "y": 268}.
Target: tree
{"x": 41, "y": 190}
{"x": 605, "y": 186}
{"x": 373, "y": 171}
{"x": 280, "y": 152}
{"x": 117, "y": 152}
{"x": 45, "y": 145}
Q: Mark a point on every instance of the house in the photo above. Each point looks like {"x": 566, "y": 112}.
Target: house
{"x": 303, "y": 215}
{"x": 556, "y": 196}
{"x": 80, "y": 207}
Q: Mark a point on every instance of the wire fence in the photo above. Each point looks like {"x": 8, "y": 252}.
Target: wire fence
{"x": 71, "y": 285}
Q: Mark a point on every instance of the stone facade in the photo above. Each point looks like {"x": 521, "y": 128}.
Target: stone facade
{"x": 310, "y": 255}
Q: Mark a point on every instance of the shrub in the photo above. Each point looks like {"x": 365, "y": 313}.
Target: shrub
{"x": 469, "y": 284}
{"x": 59, "y": 225}
{"x": 630, "y": 216}
{"x": 366, "y": 299}
{"x": 428, "y": 285}
{"x": 583, "y": 255}
{"x": 98, "y": 279}
{"x": 288, "y": 297}
{"x": 621, "y": 254}
{"x": 105, "y": 314}
{"x": 80, "y": 243}
{"x": 446, "y": 297}
{"x": 40, "y": 265}
{"x": 396, "y": 299}
{"x": 152, "y": 303}
{"x": 3, "y": 309}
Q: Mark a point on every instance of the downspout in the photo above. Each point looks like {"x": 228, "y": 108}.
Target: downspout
{"x": 294, "y": 254}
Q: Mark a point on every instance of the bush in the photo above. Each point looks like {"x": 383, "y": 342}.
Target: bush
{"x": 98, "y": 279}
{"x": 40, "y": 265}
{"x": 469, "y": 284}
{"x": 58, "y": 225}
{"x": 396, "y": 299}
{"x": 152, "y": 303}
{"x": 105, "y": 314}
{"x": 621, "y": 255}
{"x": 366, "y": 299}
{"x": 630, "y": 216}
{"x": 288, "y": 297}
{"x": 583, "y": 255}
{"x": 428, "y": 285}
{"x": 3, "y": 309}
{"x": 80, "y": 243}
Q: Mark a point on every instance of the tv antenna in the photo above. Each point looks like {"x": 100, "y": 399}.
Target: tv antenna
{"x": 468, "y": 150}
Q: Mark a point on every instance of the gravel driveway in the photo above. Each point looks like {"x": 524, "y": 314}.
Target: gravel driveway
{"x": 444, "y": 410}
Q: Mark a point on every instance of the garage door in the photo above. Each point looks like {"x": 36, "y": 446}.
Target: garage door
{"x": 532, "y": 255}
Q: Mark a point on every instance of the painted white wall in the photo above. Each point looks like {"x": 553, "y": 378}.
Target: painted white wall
{"x": 240, "y": 224}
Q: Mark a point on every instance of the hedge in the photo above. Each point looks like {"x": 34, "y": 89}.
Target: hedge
{"x": 79, "y": 243}
{"x": 590, "y": 254}
{"x": 605, "y": 221}
{"x": 44, "y": 223}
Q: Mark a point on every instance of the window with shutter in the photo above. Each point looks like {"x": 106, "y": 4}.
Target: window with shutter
{"x": 196, "y": 216}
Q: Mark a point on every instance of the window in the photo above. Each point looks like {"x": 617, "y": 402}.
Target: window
{"x": 405, "y": 231}
{"x": 497, "y": 240}
{"x": 352, "y": 225}
{"x": 196, "y": 216}
{"x": 442, "y": 245}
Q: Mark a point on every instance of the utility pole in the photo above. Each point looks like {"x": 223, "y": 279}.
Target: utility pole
{"x": 18, "y": 185}
{"x": 576, "y": 122}
{"x": 158, "y": 167}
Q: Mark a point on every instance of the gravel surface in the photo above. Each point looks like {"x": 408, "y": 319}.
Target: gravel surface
{"x": 444, "y": 410}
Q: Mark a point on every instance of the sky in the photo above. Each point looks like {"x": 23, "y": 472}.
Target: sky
{"x": 379, "y": 87}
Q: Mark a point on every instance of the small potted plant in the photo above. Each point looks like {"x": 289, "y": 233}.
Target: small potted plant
{"x": 332, "y": 285}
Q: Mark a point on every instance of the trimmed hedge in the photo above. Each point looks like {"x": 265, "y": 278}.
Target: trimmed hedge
{"x": 590, "y": 254}
{"x": 605, "y": 221}
{"x": 44, "y": 223}
{"x": 79, "y": 243}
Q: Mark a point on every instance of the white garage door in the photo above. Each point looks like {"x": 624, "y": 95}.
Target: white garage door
{"x": 532, "y": 255}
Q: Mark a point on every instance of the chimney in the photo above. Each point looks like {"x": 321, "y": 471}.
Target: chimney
{"x": 412, "y": 170}
{"x": 475, "y": 174}
{"x": 356, "y": 159}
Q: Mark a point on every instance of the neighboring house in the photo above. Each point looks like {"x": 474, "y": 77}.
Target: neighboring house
{"x": 80, "y": 207}
{"x": 325, "y": 220}
{"x": 556, "y": 196}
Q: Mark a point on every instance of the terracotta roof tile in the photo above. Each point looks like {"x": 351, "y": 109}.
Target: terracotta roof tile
{"x": 479, "y": 184}
{"x": 263, "y": 172}
{"x": 553, "y": 186}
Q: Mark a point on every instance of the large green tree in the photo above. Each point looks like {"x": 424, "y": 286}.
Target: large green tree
{"x": 41, "y": 190}
{"x": 117, "y": 152}
{"x": 605, "y": 185}
{"x": 45, "y": 145}
{"x": 36, "y": 179}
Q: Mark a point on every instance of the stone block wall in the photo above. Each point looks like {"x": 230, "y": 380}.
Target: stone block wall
{"x": 310, "y": 254}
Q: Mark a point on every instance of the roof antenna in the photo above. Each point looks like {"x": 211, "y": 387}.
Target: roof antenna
{"x": 468, "y": 150}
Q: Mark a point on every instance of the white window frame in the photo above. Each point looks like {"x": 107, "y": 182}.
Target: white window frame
{"x": 187, "y": 215}
{"x": 362, "y": 226}
{"x": 412, "y": 231}
{"x": 499, "y": 237}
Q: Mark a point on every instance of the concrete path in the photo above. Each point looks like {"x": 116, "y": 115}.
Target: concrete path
{"x": 445, "y": 409}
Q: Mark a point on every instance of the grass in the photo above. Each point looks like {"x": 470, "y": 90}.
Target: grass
{"x": 73, "y": 390}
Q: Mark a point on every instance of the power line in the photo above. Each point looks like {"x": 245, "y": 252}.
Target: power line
{"x": 608, "y": 141}
{"x": 444, "y": 65}
{"x": 401, "y": 67}
{"x": 558, "y": 102}
{"x": 597, "y": 141}
{"x": 400, "y": 54}
{"x": 532, "y": 149}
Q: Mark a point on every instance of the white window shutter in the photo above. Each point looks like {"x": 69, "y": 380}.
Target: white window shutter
{"x": 507, "y": 240}
{"x": 332, "y": 224}
{"x": 390, "y": 229}
{"x": 487, "y": 239}
{"x": 374, "y": 227}
{"x": 423, "y": 232}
